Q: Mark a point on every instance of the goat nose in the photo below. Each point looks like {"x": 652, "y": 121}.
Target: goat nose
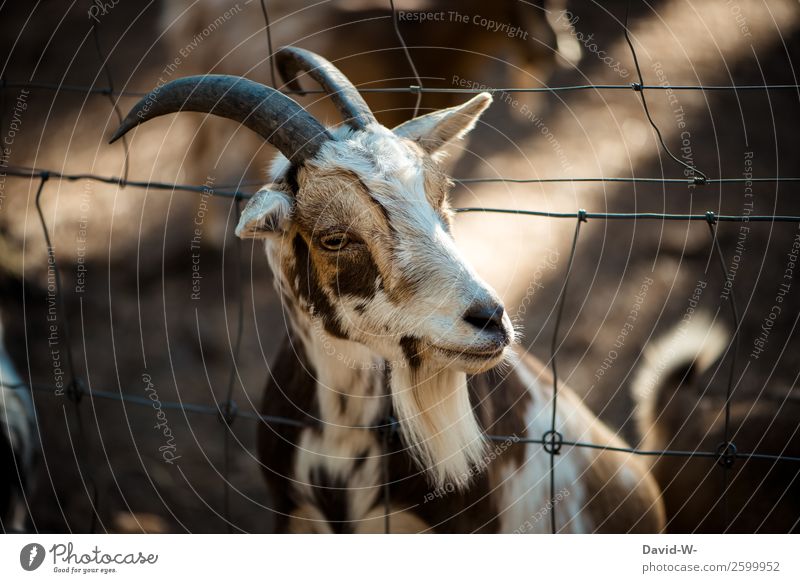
{"x": 486, "y": 317}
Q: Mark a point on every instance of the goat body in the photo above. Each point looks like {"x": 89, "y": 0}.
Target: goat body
{"x": 387, "y": 319}
{"x": 330, "y": 476}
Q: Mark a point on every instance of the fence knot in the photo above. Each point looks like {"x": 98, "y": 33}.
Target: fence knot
{"x": 711, "y": 218}
{"x": 699, "y": 180}
{"x": 228, "y": 412}
{"x": 552, "y": 441}
{"x": 582, "y": 215}
{"x": 726, "y": 454}
{"x": 44, "y": 175}
{"x": 415, "y": 89}
{"x": 636, "y": 86}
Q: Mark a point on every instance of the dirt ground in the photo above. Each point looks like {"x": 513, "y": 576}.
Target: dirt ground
{"x": 126, "y": 256}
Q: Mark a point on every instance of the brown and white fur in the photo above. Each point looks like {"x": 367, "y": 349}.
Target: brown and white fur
{"x": 381, "y": 327}
{"x": 385, "y": 320}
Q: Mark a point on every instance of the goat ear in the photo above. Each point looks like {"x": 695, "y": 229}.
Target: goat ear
{"x": 266, "y": 212}
{"x": 435, "y": 130}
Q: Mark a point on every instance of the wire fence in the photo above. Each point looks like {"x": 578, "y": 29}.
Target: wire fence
{"x": 227, "y": 411}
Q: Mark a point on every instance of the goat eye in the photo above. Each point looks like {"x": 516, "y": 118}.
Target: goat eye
{"x": 334, "y": 241}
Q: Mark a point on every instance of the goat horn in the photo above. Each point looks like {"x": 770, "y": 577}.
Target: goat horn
{"x": 292, "y": 61}
{"x": 280, "y": 120}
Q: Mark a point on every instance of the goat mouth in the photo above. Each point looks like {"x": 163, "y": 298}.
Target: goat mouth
{"x": 470, "y": 353}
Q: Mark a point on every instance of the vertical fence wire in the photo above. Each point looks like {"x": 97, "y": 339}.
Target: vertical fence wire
{"x": 727, "y": 449}
{"x": 75, "y": 389}
{"x": 385, "y": 471}
{"x": 228, "y": 409}
{"x": 271, "y": 53}
{"x": 726, "y": 453}
{"x": 110, "y": 92}
{"x": 418, "y": 87}
{"x": 553, "y": 439}
{"x": 698, "y": 176}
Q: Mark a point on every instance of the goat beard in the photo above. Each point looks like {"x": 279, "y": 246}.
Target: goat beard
{"x": 437, "y": 423}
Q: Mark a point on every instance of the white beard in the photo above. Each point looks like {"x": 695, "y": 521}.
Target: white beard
{"x": 437, "y": 423}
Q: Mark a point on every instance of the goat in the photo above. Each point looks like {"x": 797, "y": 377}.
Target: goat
{"x": 387, "y": 320}
{"x": 674, "y": 411}
{"x": 19, "y": 445}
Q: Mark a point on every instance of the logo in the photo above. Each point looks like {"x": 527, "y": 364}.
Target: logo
{"x": 31, "y": 556}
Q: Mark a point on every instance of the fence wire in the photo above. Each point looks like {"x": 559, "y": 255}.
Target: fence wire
{"x": 227, "y": 411}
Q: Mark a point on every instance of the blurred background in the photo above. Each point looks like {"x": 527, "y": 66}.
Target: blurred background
{"x": 142, "y": 322}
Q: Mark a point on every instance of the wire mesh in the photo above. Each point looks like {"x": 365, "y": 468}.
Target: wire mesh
{"x": 226, "y": 409}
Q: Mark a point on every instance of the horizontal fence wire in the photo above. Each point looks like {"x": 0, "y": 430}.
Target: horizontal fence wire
{"x": 26, "y": 172}
{"x": 226, "y": 410}
{"x": 273, "y": 420}
{"x": 416, "y": 89}
{"x": 36, "y": 173}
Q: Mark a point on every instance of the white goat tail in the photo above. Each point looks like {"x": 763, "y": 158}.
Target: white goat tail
{"x": 686, "y": 350}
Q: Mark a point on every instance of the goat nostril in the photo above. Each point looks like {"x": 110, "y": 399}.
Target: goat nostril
{"x": 486, "y": 317}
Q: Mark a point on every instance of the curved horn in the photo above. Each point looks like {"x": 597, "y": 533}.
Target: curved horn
{"x": 278, "y": 119}
{"x": 292, "y": 61}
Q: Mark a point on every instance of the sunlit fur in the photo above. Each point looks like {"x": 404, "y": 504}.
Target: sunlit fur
{"x": 378, "y": 326}
{"x": 402, "y": 287}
